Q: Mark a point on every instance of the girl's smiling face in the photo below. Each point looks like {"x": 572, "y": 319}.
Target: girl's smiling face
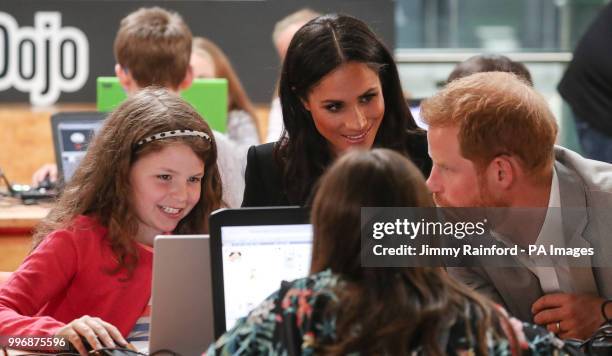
{"x": 166, "y": 185}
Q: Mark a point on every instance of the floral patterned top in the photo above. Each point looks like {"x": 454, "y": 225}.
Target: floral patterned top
{"x": 292, "y": 321}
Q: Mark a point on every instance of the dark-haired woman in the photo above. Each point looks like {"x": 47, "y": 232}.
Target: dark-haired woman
{"x": 339, "y": 89}
{"x": 343, "y": 308}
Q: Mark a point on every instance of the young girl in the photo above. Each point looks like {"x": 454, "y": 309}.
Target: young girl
{"x": 343, "y": 308}
{"x": 150, "y": 170}
{"x": 209, "y": 61}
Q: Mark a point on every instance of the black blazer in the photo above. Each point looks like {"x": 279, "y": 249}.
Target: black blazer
{"x": 264, "y": 182}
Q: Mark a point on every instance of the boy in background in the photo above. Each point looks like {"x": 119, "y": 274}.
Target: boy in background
{"x": 153, "y": 47}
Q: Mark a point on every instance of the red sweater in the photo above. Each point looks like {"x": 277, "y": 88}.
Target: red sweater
{"x": 66, "y": 277}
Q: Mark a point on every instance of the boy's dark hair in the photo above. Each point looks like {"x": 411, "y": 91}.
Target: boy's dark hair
{"x": 490, "y": 63}
{"x": 154, "y": 46}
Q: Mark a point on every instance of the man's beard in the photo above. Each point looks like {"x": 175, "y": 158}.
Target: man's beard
{"x": 483, "y": 199}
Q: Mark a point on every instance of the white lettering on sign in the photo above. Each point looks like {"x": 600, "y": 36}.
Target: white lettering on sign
{"x": 44, "y": 60}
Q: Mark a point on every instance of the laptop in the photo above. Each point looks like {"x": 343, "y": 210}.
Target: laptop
{"x": 72, "y": 133}
{"x": 181, "y": 304}
{"x": 252, "y": 251}
{"x": 207, "y": 96}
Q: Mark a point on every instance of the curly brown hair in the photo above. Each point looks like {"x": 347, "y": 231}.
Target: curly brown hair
{"x": 101, "y": 187}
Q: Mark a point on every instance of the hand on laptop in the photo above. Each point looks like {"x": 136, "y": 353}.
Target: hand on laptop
{"x": 569, "y": 315}
{"x": 95, "y": 331}
{"x": 47, "y": 170}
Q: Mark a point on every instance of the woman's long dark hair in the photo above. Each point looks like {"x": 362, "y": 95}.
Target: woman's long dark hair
{"x": 318, "y": 48}
{"x": 387, "y": 310}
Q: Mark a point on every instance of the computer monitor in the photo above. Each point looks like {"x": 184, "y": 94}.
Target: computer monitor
{"x": 207, "y": 96}
{"x": 252, "y": 251}
{"x": 72, "y": 132}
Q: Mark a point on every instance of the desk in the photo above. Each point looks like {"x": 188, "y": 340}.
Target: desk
{"x": 17, "y": 222}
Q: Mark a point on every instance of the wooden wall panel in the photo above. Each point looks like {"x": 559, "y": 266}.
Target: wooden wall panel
{"x": 25, "y": 138}
{"x": 26, "y": 142}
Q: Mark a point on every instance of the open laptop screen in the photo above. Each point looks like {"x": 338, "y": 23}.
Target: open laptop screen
{"x": 256, "y": 259}
{"x": 256, "y": 250}
{"x": 72, "y": 133}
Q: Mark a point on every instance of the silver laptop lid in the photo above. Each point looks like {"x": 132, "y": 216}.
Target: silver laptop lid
{"x": 181, "y": 310}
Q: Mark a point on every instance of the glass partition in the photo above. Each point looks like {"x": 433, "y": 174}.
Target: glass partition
{"x": 432, "y": 36}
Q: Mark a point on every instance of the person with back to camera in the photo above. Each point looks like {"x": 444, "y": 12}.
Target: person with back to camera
{"x": 339, "y": 90}
{"x": 209, "y": 61}
{"x": 145, "y": 48}
{"x": 150, "y": 170}
{"x": 153, "y": 47}
{"x": 343, "y": 308}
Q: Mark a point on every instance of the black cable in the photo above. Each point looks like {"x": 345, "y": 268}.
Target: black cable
{"x": 165, "y": 352}
{"x": 59, "y": 354}
{"x": 102, "y": 350}
{"x": 602, "y": 334}
{"x": 9, "y": 187}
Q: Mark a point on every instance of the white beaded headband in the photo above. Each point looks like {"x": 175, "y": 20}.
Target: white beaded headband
{"x": 173, "y": 133}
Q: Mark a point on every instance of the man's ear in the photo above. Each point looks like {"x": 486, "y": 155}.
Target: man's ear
{"x": 125, "y": 78}
{"x": 186, "y": 83}
{"x": 503, "y": 171}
